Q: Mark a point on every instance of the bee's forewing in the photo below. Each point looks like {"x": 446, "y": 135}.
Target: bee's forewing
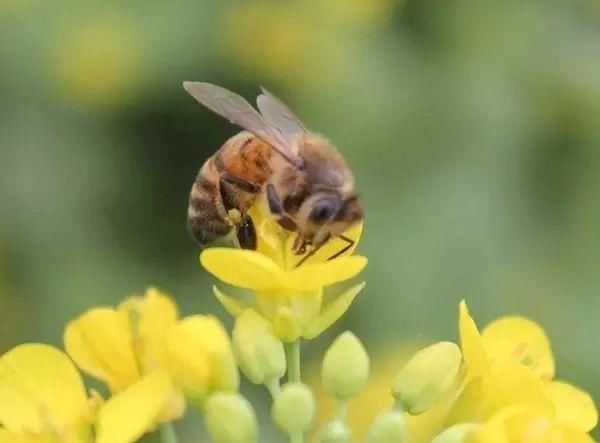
{"x": 279, "y": 115}
{"x": 238, "y": 111}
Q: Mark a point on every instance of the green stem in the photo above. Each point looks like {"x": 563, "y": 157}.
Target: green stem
{"x": 292, "y": 355}
{"x": 273, "y": 387}
{"x": 292, "y": 351}
{"x": 167, "y": 434}
{"x": 342, "y": 408}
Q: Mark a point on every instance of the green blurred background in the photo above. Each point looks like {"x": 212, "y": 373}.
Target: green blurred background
{"x": 473, "y": 129}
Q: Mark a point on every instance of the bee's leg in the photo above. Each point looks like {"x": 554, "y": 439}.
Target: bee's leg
{"x": 312, "y": 252}
{"x": 277, "y": 211}
{"x": 349, "y": 244}
{"x": 299, "y": 245}
{"x": 309, "y": 255}
{"x": 275, "y": 205}
{"x": 229, "y": 203}
{"x": 244, "y": 227}
{"x": 245, "y": 233}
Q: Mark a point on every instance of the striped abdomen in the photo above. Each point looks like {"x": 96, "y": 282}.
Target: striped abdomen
{"x": 230, "y": 179}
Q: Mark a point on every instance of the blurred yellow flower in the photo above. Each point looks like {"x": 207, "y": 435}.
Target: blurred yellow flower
{"x": 97, "y": 62}
{"x": 289, "y": 296}
{"x": 356, "y": 13}
{"x": 511, "y": 363}
{"x": 281, "y": 45}
{"x": 302, "y": 42}
{"x": 43, "y": 399}
{"x": 119, "y": 346}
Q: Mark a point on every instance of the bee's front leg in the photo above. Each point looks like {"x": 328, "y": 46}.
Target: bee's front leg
{"x": 276, "y": 208}
{"x": 299, "y": 246}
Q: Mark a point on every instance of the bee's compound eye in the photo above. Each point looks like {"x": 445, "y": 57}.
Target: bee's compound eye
{"x": 324, "y": 210}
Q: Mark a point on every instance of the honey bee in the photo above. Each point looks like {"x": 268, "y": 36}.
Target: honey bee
{"x": 306, "y": 184}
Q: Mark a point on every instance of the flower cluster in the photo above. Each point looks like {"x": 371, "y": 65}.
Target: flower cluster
{"x": 149, "y": 359}
{"x": 496, "y": 386}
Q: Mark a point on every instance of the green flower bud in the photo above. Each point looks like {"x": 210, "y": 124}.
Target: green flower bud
{"x": 258, "y": 352}
{"x": 294, "y": 408}
{"x": 456, "y": 434}
{"x": 427, "y": 376}
{"x": 345, "y": 367}
{"x": 389, "y": 427}
{"x": 230, "y": 419}
{"x": 335, "y": 432}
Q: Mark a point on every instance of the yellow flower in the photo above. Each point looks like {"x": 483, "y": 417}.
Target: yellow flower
{"x": 510, "y": 363}
{"x": 289, "y": 296}
{"x": 506, "y": 396}
{"x": 43, "y": 399}
{"x": 119, "y": 346}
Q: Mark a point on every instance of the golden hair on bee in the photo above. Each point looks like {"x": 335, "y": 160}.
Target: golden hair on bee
{"x": 301, "y": 178}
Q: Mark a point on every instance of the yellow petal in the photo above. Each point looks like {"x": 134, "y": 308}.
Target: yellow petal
{"x": 40, "y": 387}
{"x": 522, "y": 340}
{"x": 234, "y": 307}
{"x": 496, "y": 429}
{"x": 471, "y": 343}
{"x": 242, "y": 268}
{"x": 568, "y": 434}
{"x": 521, "y": 423}
{"x": 329, "y": 249}
{"x": 505, "y": 385}
{"x": 574, "y": 407}
{"x": 100, "y": 342}
{"x": 151, "y": 316}
{"x": 269, "y": 234}
{"x": 332, "y": 312}
{"x": 125, "y": 417}
{"x": 318, "y": 275}
{"x": 9, "y": 437}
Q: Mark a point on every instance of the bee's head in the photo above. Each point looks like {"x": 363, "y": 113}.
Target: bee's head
{"x": 327, "y": 215}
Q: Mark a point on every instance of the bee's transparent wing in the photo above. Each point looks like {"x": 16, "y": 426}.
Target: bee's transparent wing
{"x": 238, "y": 111}
{"x": 279, "y": 115}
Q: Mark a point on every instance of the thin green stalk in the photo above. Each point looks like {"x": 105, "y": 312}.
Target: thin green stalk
{"x": 273, "y": 387}
{"x": 292, "y": 352}
{"x": 292, "y": 355}
{"x": 342, "y": 409}
{"x": 167, "y": 434}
